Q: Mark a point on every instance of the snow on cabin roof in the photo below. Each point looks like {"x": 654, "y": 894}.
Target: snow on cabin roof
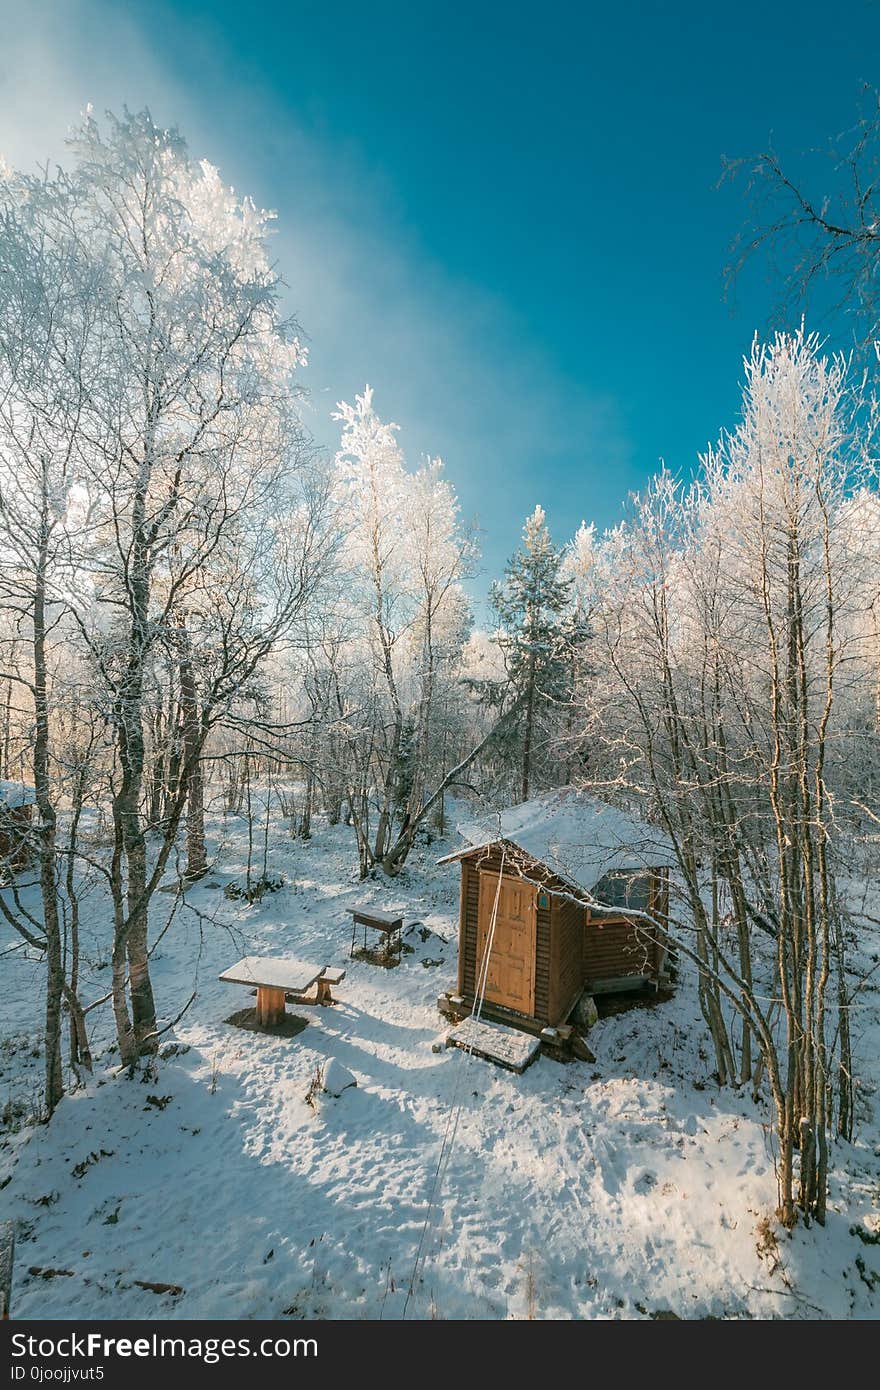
{"x": 577, "y": 837}
{"x": 13, "y": 794}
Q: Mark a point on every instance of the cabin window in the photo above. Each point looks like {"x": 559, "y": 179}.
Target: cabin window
{"x": 630, "y": 891}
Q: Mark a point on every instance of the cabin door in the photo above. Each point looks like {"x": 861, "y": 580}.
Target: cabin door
{"x": 510, "y": 978}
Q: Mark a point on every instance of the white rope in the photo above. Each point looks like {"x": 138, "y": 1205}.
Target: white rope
{"x": 451, "y": 1131}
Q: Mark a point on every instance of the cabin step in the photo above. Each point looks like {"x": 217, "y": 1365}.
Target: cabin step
{"x": 506, "y": 1047}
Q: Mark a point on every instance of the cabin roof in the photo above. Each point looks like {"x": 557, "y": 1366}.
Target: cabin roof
{"x": 577, "y": 837}
{"x": 14, "y": 794}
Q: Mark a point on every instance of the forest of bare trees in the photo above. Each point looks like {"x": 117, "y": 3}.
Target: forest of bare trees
{"x": 195, "y": 598}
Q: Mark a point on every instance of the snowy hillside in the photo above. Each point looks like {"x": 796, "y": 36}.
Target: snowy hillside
{"x": 629, "y": 1188}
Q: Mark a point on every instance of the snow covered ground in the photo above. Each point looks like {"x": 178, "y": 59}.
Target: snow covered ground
{"x": 628, "y": 1188}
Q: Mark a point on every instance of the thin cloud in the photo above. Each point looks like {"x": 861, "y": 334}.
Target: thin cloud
{"x": 451, "y": 364}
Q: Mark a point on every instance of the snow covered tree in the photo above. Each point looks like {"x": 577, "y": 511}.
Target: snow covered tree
{"x": 371, "y": 482}
{"x": 47, "y": 328}
{"x": 175, "y": 439}
{"x": 405, "y": 554}
{"x": 531, "y": 604}
{"x": 193, "y": 416}
{"x": 728, "y": 620}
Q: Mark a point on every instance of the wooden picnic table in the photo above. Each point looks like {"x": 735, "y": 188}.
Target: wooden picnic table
{"x": 277, "y": 976}
{"x": 388, "y": 923}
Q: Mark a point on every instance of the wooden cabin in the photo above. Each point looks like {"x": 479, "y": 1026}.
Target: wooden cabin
{"x": 16, "y": 811}
{"x": 566, "y": 871}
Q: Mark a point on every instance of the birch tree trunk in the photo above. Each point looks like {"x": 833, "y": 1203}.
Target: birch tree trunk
{"x": 47, "y": 827}
{"x": 196, "y": 856}
{"x": 130, "y": 859}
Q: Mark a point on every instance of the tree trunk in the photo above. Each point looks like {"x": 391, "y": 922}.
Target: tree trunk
{"x": 529, "y": 729}
{"x": 46, "y": 830}
{"x": 80, "y": 1052}
{"x": 133, "y": 928}
{"x": 196, "y": 856}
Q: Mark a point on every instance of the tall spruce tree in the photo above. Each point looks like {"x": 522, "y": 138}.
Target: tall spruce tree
{"x": 532, "y": 606}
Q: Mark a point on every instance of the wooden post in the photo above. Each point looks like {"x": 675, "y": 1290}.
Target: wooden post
{"x": 270, "y": 1006}
{"x": 7, "y": 1250}
{"x": 324, "y": 994}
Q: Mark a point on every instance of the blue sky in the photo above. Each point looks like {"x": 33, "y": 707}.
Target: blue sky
{"x": 505, "y": 218}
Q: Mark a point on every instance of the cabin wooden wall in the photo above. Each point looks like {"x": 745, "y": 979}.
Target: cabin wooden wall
{"x": 566, "y": 963}
{"x": 467, "y": 933}
{"x": 613, "y": 948}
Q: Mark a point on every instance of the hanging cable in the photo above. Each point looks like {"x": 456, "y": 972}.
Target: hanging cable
{"x": 449, "y": 1136}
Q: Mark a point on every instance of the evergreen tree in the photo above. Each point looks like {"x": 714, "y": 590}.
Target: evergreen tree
{"x": 532, "y": 605}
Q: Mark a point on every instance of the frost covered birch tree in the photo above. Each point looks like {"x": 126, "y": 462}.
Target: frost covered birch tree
{"x": 192, "y": 439}
{"x": 405, "y": 557}
{"x": 726, "y": 625}
{"x": 173, "y": 420}
{"x": 47, "y": 330}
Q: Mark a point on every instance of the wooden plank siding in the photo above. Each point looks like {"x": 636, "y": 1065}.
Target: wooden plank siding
{"x": 470, "y": 907}
{"x": 615, "y": 948}
{"x": 566, "y": 963}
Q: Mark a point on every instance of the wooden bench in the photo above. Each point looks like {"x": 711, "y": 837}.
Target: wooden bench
{"x": 331, "y": 975}
{"x": 390, "y": 924}
{"x": 276, "y": 977}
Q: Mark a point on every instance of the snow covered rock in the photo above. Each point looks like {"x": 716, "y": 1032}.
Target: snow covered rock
{"x": 337, "y": 1078}
{"x": 585, "y": 1012}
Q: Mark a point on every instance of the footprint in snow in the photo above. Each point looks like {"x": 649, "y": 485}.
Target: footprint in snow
{"x": 609, "y": 1166}
{"x": 645, "y": 1182}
